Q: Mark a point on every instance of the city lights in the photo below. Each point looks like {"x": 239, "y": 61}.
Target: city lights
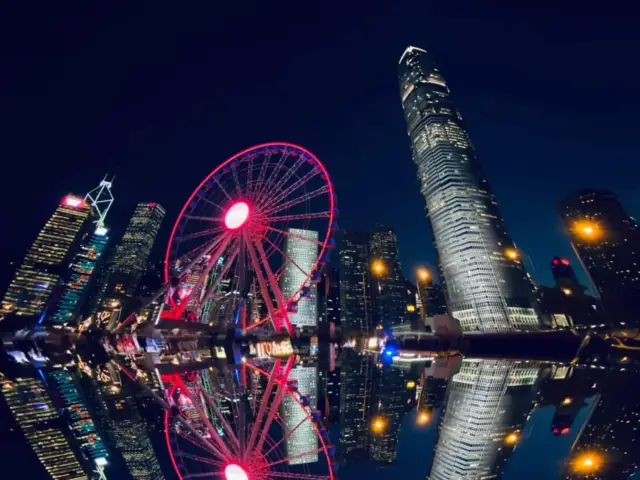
{"x": 411, "y": 308}
{"x": 512, "y": 254}
{"x": 378, "y": 267}
{"x": 567, "y": 291}
{"x": 587, "y": 230}
{"x": 512, "y": 438}
{"x": 587, "y": 462}
{"x": 424, "y": 275}
{"x": 567, "y": 401}
{"x": 378, "y": 425}
{"x": 423, "y": 418}
{"x": 411, "y": 384}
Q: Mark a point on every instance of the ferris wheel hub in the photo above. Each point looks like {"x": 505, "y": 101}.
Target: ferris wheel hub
{"x": 237, "y": 215}
{"x": 235, "y": 472}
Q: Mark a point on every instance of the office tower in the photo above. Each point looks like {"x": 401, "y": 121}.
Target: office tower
{"x": 125, "y": 428}
{"x": 488, "y": 288}
{"x": 48, "y": 258}
{"x": 607, "y": 242}
{"x": 388, "y": 408}
{"x": 356, "y": 382}
{"x": 131, "y": 256}
{"x": 487, "y": 402}
{"x": 610, "y": 435}
{"x": 562, "y": 272}
{"x": 355, "y": 291}
{"x": 302, "y": 439}
{"x": 38, "y": 419}
{"x": 301, "y": 256}
{"x": 431, "y": 297}
{"x": 329, "y": 298}
{"x": 389, "y": 290}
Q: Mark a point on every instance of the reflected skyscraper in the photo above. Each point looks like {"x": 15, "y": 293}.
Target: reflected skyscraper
{"x": 303, "y": 439}
{"x": 487, "y": 400}
{"x": 487, "y": 286}
{"x": 356, "y": 382}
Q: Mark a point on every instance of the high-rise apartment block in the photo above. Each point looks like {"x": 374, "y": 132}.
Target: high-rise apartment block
{"x": 487, "y": 285}
{"x": 301, "y": 256}
{"x": 355, "y": 280}
{"x": 47, "y": 261}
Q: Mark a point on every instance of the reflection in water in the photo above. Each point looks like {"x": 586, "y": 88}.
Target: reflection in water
{"x": 157, "y": 406}
{"x": 488, "y": 402}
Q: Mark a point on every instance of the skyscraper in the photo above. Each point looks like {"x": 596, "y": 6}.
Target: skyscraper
{"x": 487, "y": 285}
{"x": 607, "y": 242}
{"x": 329, "y": 298}
{"x": 389, "y": 290}
{"x": 301, "y": 256}
{"x": 37, "y": 417}
{"x": 48, "y": 258}
{"x": 355, "y": 291}
{"x": 130, "y": 259}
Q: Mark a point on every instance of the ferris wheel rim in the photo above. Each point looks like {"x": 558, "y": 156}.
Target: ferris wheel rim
{"x": 328, "y": 234}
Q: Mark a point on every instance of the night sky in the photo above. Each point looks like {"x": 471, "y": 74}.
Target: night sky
{"x": 159, "y": 93}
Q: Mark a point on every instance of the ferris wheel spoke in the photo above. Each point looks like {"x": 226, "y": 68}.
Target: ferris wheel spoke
{"x": 285, "y": 178}
{"x": 190, "y": 254}
{"x": 273, "y": 411}
{"x": 263, "y": 407}
{"x": 287, "y": 435}
{"x": 204, "y": 233}
{"x": 298, "y": 200}
{"x": 291, "y": 188}
{"x": 203, "y": 475}
{"x": 303, "y": 216}
{"x": 292, "y": 235}
{"x": 220, "y": 416}
{"x": 299, "y": 476}
{"x": 198, "y": 444}
{"x": 211, "y": 289}
{"x": 273, "y": 179}
{"x": 264, "y": 289}
{"x": 293, "y": 457}
{"x": 234, "y": 174}
{"x": 286, "y": 257}
{"x": 210, "y": 202}
{"x": 199, "y": 458}
{"x": 263, "y": 171}
{"x": 204, "y": 219}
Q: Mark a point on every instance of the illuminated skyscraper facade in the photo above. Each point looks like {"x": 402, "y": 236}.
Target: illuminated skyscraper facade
{"x": 34, "y": 412}
{"x": 607, "y": 241}
{"x": 303, "y": 439}
{"x": 389, "y": 289}
{"x": 488, "y": 288}
{"x": 130, "y": 259}
{"x": 486, "y": 401}
{"x": 355, "y": 292}
{"x": 301, "y": 256}
{"x": 48, "y": 259}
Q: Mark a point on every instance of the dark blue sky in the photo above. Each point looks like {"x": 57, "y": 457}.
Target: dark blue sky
{"x": 161, "y": 92}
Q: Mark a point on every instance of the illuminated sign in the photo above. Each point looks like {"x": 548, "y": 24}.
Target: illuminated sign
{"x": 281, "y": 348}
{"x": 101, "y": 231}
{"x": 71, "y": 201}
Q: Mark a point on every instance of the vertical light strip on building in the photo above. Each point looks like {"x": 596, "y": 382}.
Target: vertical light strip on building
{"x": 488, "y": 288}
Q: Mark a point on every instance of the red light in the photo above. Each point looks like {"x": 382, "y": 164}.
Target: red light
{"x": 564, "y": 431}
{"x": 152, "y": 205}
{"x": 237, "y": 215}
{"x": 235, "y": 472}
{"x": 565, "y": 261}
{"x": 555, "y": 430}
{"x": 71, "y": 201}
{"x": 555, "y": 262}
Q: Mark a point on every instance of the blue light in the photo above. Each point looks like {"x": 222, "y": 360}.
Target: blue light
{"x": 388, "y": 352}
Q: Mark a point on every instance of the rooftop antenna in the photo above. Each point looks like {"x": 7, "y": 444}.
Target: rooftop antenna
{"x": 101, "y": 200}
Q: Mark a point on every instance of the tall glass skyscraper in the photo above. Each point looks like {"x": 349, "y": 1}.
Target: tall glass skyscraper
{"x": 301, "y": 257}
{"x": 131, "y": 257}
{"x": 48, "y": 258}
{"x": 355, "y": 291}
{"x": 487, "y": 285}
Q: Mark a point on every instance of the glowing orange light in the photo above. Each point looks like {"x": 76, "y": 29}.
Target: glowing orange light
{"x": 236, "y": 216}
{"x": 378, "y": 267}
{"x": 423, "y": 418}
{"x": 423, "y": 274}
{"x": 587, "y": 462}
{"x": 567, "y": 292}
{"x": 235, "y": 472}
{"x": 512, "y": 254}
{"x": 567, "y": 401}
{"x": 411, "y": 384}
{"x": 411, "y": 308}
{"x": 512, "y": 438}
{"x": 587, "y": 230}
{"x": 378, "y": 425}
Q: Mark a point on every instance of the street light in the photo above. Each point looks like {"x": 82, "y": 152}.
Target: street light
{"x": 423, "y": 418}
{"x": 424, "y": 275}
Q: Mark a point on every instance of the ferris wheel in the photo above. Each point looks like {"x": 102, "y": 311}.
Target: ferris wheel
{"x": 233, "y": 255}
{"x": 245, "y": 423}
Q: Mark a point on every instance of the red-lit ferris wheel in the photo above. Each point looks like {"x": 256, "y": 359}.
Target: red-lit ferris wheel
{"x": 229, "y": 259}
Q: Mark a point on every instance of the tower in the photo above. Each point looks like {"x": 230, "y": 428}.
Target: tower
{"x": 130, "y": 259}
{"x": 355, "y": 291}
{"x": 45, "y": 264}
{"x": 389, "y": 291}
{"x": 607, "y": 242}
{"x": 301, "y": 256}
{"x": 487, "y": 285}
